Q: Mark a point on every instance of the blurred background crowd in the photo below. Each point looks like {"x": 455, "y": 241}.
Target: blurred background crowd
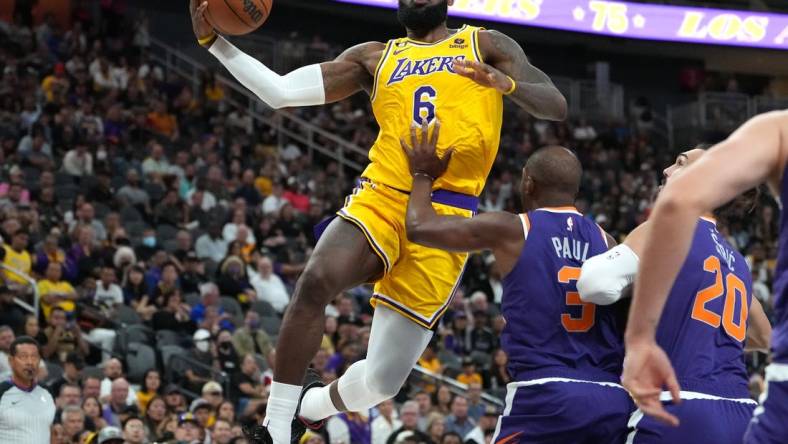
{"x": 162, "y": 231}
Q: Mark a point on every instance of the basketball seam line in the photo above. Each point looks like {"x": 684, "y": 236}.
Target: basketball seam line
{"x": 212, "y": 22}
{"x": 236, "y": 14}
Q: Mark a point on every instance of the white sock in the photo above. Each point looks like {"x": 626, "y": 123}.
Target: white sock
{"x": 282, "y": 404}
{"x": 317, "y": 404}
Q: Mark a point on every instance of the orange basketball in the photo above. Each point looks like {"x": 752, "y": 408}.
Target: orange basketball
{"x": 237, "y": 17}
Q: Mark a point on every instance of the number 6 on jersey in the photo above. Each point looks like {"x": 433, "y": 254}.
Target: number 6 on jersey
{"x": 423, "y": 106}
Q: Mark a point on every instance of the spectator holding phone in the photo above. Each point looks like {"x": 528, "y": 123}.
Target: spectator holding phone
{"x": 55, "y": 292}
{"x": 63, "y": 336}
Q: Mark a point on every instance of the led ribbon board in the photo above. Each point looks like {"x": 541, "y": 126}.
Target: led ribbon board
{"x": 630, "y": 20}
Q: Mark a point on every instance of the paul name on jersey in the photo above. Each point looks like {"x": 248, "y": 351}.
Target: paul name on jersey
{"x": 568, "y": 248}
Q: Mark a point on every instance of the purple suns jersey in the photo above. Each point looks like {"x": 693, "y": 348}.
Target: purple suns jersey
{"x": 549, "y": 331}
{"x": 704, "y": 324}
{"x": 780, "y": 330}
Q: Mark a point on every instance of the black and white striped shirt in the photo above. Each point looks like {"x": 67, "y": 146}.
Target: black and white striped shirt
{"x": 25, "y": 415}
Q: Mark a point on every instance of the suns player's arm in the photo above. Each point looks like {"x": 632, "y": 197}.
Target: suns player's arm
{"x": 604, "y": 277}
{"x": 535, "y": 92}
{"x": 497, "y": 231}
{"x": 752, "y": 155}
{"x": 759, "y": 330}
{"x": 315, "y": 84}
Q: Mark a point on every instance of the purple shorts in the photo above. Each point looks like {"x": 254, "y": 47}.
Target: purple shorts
{"x": 564, "y": 412}
{"x": 712, "y": 421}
{"x": 769, "y": 425}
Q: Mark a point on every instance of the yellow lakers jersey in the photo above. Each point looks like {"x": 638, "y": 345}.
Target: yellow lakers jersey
{"x": 415, "y": 80}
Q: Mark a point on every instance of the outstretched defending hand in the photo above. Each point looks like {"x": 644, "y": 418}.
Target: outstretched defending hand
{"x": 422, "y": 157}
{"x": 647, "y": 370}
{"x": 484, "y": 75}
{"x": 202, "y": 29}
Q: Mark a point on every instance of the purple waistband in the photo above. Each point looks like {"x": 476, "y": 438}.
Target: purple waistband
{"x": 459, "y": 200}
{"x": 443, "y": 197}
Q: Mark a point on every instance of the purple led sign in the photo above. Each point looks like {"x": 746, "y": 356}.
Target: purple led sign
{"x": 631, "y": 20}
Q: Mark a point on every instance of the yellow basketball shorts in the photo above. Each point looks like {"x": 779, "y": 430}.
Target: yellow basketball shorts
{"x": 418, "y": 281}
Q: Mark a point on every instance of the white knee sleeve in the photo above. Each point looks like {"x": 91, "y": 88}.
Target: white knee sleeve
{"x": 395, "y": 345}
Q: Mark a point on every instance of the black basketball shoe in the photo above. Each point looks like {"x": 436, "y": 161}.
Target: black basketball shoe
{"x": 258, "y": 434}
{"x": 312, "y": 380}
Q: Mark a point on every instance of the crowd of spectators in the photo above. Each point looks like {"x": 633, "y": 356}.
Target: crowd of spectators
{"x": 156, "y": 221}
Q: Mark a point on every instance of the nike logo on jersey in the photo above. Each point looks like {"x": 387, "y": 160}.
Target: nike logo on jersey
{"x": 513, "y": 438}
{"x": 15, "y": 402}
{"x": 407, "y": 67}
{"x": 400, "y": 51}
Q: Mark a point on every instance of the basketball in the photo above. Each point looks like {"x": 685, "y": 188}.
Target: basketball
{"x": 237, "y": 17}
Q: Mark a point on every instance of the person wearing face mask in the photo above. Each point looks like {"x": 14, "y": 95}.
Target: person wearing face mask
{"x": 226, "y": 353}
{"x": 197, "y": 376}
{"x": 250, "y": 338}
{"x": 148, "y": 247}
{"x": 233, "y": 281}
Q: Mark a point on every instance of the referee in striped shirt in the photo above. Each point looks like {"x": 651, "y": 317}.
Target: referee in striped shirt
{"x": 26, "y": 409}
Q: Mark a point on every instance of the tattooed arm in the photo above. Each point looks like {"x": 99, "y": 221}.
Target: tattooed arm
{"x": 505, "y": 62}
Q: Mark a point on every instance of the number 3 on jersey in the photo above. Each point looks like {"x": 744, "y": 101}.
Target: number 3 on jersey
{"x": 423, "y": 104}
{"x": 733, "y": 288}
{"x": 586, "y": 320}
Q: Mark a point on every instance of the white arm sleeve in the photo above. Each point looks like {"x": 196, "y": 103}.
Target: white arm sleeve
{"x": 302, "y": 87}
{"x": 604, "y": 276}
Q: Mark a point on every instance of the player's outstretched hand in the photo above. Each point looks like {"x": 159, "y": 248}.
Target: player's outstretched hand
{"x": 647, "y": 370}
{"x": 483, "y": 74}
{"x": 422, "y": 157}
{"x": 202, "y": 29}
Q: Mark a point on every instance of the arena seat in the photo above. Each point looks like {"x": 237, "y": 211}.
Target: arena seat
{"x": 169, "y": 337}
{"x": 67, "y": 191}
{"x": 63, "y": 178}
{"x": 165, "y": 232}
{"x": 155, "y": 191}
{"x": 191, "y": 299}
{"x": 263, "y": 308}
{"x": 130, "y": 214}
{"x": 139, "y": 358}
{"x": 231, "y": 306}
{"x": 101, "y": 210}
{"x": 271, "y": 324}
{"x": 127, "y": 315}
{"x": 168, "y": 351}
{"x": 136, "y": 333}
